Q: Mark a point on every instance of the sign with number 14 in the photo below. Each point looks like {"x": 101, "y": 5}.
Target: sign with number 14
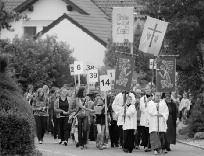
{"x": 105, "y": 83}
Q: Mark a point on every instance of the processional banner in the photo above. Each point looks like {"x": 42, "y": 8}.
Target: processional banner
{"x": 166, "y": 74}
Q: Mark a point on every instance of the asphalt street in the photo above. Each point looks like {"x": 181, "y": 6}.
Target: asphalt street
{"x": 49, "y": 148}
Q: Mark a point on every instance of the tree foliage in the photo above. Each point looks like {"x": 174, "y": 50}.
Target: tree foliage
{"x": 44, "y": 61}
{"x": 183, "y": 36}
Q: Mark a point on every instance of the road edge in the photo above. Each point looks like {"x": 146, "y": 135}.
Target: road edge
{"x": 189, "y": 144}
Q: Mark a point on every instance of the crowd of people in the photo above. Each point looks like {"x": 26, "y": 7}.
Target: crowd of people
{"x": 135, "y": 119}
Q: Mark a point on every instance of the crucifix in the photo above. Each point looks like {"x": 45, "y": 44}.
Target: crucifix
{"x": 154, "y": 31}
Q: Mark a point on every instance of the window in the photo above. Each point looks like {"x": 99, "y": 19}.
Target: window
{"x": 29, "y": 31}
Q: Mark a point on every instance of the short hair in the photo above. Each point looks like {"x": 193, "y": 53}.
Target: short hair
{"x": 80, "y": 93}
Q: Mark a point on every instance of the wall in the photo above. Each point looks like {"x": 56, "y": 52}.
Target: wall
{"x": 45, "y": 11}
{"x": 86, "y": 48}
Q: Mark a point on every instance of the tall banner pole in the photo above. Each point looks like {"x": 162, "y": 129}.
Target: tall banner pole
{"x": 79, "y": 83}
{"x": 106, "y": 115}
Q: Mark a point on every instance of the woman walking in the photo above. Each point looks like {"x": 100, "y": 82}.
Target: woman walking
{"x": 40, "y": 110}
{"x": 82, "y": 117}
{"x": 61, "y": 107}
{"x": 100, "y": 121}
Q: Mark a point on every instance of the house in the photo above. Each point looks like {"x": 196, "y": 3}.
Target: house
{"x": 70, "y": 20}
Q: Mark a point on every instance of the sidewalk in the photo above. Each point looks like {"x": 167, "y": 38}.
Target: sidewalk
{"x": 189, "y": 141}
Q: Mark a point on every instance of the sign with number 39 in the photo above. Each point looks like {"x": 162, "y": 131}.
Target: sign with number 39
{"x": 105, "y": 83}
{"x": 92, "y": 76}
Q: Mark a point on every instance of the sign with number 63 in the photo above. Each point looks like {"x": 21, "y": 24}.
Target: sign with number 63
{"x": 105, "y": 83}
{"x": 92, "y": 76}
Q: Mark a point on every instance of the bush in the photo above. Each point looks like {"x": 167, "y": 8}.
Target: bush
{"x": 16, "y": 118}
{"x": 16, "y": 135}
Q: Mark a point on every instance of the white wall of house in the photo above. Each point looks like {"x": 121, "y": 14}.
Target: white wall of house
{"x": 44, "y": 12}
{"x": 86, "y": 49}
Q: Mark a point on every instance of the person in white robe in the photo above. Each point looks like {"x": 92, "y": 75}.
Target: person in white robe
{"x": 158, "y": 116}
{"x": 130, "y": 125}
{"x": 144, "y": 119}
{"x": 118, "y": 109}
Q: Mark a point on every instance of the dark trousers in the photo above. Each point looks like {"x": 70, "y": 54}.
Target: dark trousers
{"x": 138, "y": 136}
{"x": 114, "y": 133}
{"x": 56, "y": 128}
{"x": 63, "y": 128}
{"x": 41, "y": 123}
{"x": 145, "y": 137}
{"x": 129, "y": 140}
{"x": 82, "y": 130}
{"x": 121, "y": 135}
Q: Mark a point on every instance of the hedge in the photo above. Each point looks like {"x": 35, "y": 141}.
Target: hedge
{"x": 16, "y": 137}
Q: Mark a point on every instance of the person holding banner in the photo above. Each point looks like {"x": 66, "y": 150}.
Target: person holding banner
{"x": 118, "y": 108}
{"x": 158, "y": 116}
{"x": 130, "y": 125}
{"x": 144, "y": 119}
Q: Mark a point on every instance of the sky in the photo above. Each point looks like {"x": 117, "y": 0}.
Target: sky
{"x": 86, "y": 49}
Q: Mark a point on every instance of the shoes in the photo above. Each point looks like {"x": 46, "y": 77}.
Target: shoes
{"x": 77, "y": 145}
{"x": 82, "y": 147}
{"x": 164, "y": 151}
{"x": 168, "y": 149}
{"x": 125, "y": 150}
{"x": 147, "y": 150}
{"x": 156, "y": 152}
{"x": 60, "y": 142}
{"x": 40, "y": 142}
{"x": 65, "y": 143}
{"x": 137, "y": 147}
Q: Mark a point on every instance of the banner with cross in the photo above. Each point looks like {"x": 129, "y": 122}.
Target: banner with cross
{"x": 152, "y": 36}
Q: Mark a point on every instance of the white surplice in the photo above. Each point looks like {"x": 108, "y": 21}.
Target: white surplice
{"x": 118, "y": 108}
{"x": 144, "y": 119}
{"x": 153, "y": 119}
{"x": 131, "y": 118}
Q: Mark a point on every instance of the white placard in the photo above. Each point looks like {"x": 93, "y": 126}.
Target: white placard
{"x": 111, "y": 74}
{"x": 105, "y": 83}
{"x": 92, "y": 76}
{"x": 122, "y": 24}
{"x": 78, "y": 67}
{"x": 89, "y": 66}
{"x": 71, "y": 68}
{"x": 152, "y": 64}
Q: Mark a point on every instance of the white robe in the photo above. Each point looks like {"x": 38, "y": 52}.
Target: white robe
{"x": 118, "y": 108}
{"x": 144, "y": 115}
{"x": 153, "y": 119}
{"x": 131, "y": 118}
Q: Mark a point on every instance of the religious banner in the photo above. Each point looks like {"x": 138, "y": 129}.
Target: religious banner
{"x": 152, "y": 36}
{"x": 122, "y": 24}
{"x": 124, "y": 72}
{"x": 166, "y": 74}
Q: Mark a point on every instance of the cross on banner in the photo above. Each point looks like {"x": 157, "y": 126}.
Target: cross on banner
{"x": 154, "y": 31}
{"x": 152, "y": 36}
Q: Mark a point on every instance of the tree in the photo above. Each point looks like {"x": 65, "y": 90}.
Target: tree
{"x": 184, "y": 36}
{"x": 44, "y": 61}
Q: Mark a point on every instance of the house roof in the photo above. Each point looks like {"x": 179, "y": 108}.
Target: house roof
{"x": 97, "y": 28}
{"x": 107, "y": 5}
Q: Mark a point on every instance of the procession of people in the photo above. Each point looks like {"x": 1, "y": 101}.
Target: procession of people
{"x": 139, "y": 119}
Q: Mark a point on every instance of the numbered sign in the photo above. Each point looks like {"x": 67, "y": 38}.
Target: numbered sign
{"x": 71, "y": 68}
{"x": 105, "y": 83}
{"x": 152, "y": 64}
{"x": 78, "y": 67}
{"x": 90, "y": 67}
{"x": 92, "y": 76}
{"x": 111, "y": 74}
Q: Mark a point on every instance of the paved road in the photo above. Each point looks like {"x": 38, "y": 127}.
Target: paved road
{"x": 49, "y": 148}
